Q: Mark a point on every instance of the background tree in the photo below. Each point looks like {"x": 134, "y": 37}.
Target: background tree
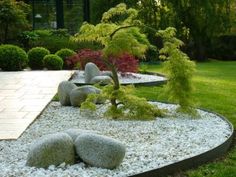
{"x": 13, "y": 19}
{"x": 205, "y": 20}
{"x": 98, "y": 7}
{"x": 197, "y": 22}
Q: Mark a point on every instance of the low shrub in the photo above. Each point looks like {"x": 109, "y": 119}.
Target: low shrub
{"x": 55, "y": 40}
{"x": 124, "y": 63}
{"x": 53, "y": 62}
{"x": 85, "y": 56}
{"x": 25, "y": 37}
{"x": 36, "y": 56}
{"x": 12, "y": 58}
{"x": 65, "y": 53}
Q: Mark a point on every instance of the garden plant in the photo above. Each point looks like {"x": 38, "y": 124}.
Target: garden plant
{"x": 119, "y": 37}
{"x": 53, "y": 62}
{"x": 12, "y": 58}
{"x": 36, "y": 56}
{"x": 119, "y": 33}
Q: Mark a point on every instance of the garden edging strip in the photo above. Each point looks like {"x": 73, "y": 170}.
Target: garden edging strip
{"x": 192, "y": 161}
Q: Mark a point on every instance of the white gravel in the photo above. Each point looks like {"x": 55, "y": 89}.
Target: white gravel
{"x": 130, "y": 78}
{"x": 150, "y": 144}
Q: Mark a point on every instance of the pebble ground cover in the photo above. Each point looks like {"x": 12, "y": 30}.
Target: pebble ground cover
{"x": 150, "y": 144}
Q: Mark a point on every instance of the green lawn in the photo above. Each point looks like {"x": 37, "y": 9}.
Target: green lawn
{"x": 215, "y": 89}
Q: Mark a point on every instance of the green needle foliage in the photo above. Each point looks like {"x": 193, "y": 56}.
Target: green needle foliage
{"x": 179, "y": 71}
{"x": 119, "y": 33}
{"x": 129, "y": 106}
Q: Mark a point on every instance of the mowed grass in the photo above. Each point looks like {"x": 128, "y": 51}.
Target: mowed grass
{"x": 215, "y": 90}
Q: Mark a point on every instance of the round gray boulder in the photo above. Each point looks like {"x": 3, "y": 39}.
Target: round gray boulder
{"x": 104, "y": 80}
{"x": 75, "y": 132}
{"x": 91, "y": 70}
{"x": 79, "y": 95}
{"x": 99, "y": 151}
{"x": 53, "y": 149}
{"x": 64, "y": 89}
{"x": 106, "y": 73}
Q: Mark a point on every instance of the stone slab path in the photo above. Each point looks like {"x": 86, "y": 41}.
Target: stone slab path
{"x": 23, "y": 96}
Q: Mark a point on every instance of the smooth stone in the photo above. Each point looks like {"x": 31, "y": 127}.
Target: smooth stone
{"x": 100, "y": 151}
{"x": 104, "y": 80}
{"x": 75, "y": 132}
{"x": 53, "y": 149}
{"x": 79, "y": 95}
{"x": 64, "y": 89}
{"x": 106, "y": 73}
{"x": 91, "y": 70}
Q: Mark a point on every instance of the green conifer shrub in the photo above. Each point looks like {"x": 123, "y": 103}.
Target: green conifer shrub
{"x": 119, "y": 33}
{"x": 64, "y": 54}
{"x": 129, "y": 105}
{"x": 179, "y": 71}
{"x": 36, "y": 56}
{"x": 53, "y": 62}
{"x": 12, "y": 58}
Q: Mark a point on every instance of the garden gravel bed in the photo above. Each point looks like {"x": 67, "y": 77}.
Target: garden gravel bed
{"x": 150, "y": 144}
{"x": 129, "y": 78}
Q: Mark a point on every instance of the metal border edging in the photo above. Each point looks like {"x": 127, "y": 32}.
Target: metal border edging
{"x": 192, "y": 161}
{"x": 151, "y": 83}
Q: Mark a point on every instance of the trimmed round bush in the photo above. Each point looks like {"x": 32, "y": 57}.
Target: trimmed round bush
{"x": 36, "y": 56}
{"x": 12, "y": 58}
{"x": 53, "y": 62}
{"x": 64, "y": 53}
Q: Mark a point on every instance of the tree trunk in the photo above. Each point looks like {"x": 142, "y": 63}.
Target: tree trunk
{"x": 115, "y": 80}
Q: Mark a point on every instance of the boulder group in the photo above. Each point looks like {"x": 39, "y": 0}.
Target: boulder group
{"x": 76, "y": 145}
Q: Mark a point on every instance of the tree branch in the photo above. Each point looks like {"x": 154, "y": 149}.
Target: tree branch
{"x": 118, "y": 29}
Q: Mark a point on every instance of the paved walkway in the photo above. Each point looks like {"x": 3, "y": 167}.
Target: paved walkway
{"x": 23, "y": 95}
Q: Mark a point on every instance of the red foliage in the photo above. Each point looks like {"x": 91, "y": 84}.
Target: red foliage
{"x": 83, "y": 57}
{"x": 123, "y": 63}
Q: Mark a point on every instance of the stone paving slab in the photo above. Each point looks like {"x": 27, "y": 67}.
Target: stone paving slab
{"x": 23, "y": 96}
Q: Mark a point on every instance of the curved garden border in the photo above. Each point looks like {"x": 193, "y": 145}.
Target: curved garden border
{"x": 150, "y": 83}
{"x": 192, "y": 161}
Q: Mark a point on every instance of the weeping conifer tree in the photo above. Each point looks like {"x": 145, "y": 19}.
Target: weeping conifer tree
{"x": 119, "y": 33}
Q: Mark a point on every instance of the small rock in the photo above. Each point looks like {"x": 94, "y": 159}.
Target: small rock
{"x": 79, "y": 95}
{"x": 53, "y": 149}
{"x": 75, "y": 132}
{"x": 106, "y": 73}
{"x": 64, "y": 90}
{"x": 104, "y": 80}
{"x": 91, "y": 70}
{"x": 100, "y": 151}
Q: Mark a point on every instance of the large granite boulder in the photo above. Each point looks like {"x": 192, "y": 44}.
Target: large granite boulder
{"x": 75, "y": 132}
{"x": 91, "y": 70}
{"x": 52, "y": 149}
{"x": 99, "y": 151}
{"x": 79, "y": 95}
{"x": 103, "y": 80}
{"x": 64, "y": 89}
